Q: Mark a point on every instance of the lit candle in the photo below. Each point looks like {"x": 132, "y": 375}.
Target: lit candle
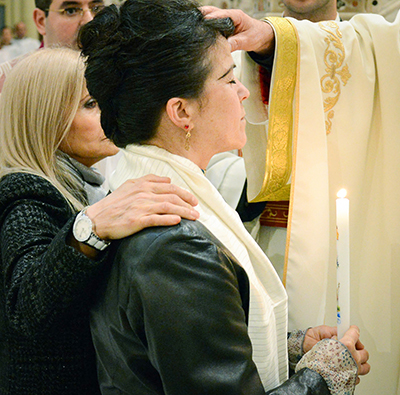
{"x": 343, "y": 263}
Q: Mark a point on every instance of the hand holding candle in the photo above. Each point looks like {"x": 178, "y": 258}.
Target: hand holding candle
{"x": 343, "y": 263}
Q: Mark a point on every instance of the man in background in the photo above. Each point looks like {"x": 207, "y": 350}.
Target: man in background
{"x": 58, "y": 22}
{"x": 7, "y": 49}
{"x": 21, "y": 42}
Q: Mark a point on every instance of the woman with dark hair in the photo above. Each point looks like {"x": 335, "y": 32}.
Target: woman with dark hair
{"x": 195, "y": 308}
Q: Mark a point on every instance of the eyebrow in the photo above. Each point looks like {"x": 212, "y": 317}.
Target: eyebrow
{"x": 227, "y": 72}
{"x": 85, "y": 98}
{"x": 78, "y": 4}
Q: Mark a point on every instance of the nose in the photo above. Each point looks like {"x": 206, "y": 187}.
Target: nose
{"x": 86, "y": 17}
{"x": 243, "y": 92}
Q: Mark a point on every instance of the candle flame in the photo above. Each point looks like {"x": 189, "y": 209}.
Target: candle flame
{"x": 342, "y": 193}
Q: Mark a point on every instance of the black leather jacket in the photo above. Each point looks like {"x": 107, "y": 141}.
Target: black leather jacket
{"x": 171, "y": 318}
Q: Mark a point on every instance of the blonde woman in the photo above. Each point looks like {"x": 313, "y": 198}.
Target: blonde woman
{"x": 50, "y": 135}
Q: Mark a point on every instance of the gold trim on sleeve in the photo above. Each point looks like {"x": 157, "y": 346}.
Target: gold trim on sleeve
{"x": 278, "y": 164}
{"x": 336, "y": 72}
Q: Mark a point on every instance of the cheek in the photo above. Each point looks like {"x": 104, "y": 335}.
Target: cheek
{"x": 63, "y": 33}
{"x": 68, "y": 145}
{"x": 86, "y": 129}
{"x": 79, "y": 140}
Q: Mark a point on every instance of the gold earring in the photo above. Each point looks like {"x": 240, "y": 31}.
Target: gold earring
{"x": 188, "y": 135}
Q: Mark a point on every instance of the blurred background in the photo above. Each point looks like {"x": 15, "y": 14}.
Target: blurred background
{"x": 14, "y": 11}
{"x": 347, "y": 8}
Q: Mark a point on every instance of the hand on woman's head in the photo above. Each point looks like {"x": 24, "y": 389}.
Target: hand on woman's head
{"x": 250, "y": 34}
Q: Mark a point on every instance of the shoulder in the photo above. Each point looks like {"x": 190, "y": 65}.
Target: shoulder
{"x": 23, "y": 187}
{"x": 25, "y": 184}
{"x": 186, "y": 246}
{"x": 187, "y": 233}
{"x": 186, "y": 256}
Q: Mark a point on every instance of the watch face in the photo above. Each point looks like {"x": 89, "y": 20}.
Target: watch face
{"x": 82, "y": 228}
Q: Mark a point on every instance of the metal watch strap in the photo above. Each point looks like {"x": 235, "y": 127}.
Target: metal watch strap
{"x": 97, "y": 243}
{"x": 94, "y": 240}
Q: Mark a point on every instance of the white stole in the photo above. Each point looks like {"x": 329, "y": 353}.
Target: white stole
{"x": 268, "y": 300}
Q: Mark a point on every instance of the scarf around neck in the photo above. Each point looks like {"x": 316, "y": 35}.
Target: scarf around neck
{"x": 268, "y": 299}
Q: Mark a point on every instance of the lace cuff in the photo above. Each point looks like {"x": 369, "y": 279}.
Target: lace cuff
{"x": 295, "y": 346}
{"x": 333, "y": 361}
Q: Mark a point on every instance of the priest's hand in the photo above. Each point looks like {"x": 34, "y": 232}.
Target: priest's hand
{"x": 250, "y": 34}
{"x": 314, "y": 335}
{"x": 351, "y": 340}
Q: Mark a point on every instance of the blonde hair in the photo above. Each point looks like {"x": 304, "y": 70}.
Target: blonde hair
{"x": 38, "y": 103}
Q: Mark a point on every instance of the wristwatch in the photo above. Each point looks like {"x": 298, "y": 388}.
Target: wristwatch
{"x": 83, "y": 232}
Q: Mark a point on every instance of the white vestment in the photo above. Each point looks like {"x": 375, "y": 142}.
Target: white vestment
{"x": 344, "y": 121}
{"x": 268, "y": 300}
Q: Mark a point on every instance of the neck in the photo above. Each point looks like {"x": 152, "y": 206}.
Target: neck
{"x": 328, "y": 13}
{"x": 175, "y": 144}
{"x": 199, "y": 160}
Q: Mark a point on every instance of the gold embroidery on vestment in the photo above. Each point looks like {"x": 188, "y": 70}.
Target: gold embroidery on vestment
{"x": 278, "y": 164}
{"x": 336, "y": 72}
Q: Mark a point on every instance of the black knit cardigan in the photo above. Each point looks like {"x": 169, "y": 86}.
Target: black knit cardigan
{"x": 45, "y": 294}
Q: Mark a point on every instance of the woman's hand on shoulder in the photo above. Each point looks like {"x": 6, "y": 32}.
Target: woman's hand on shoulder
{"x": 137, "y": 204}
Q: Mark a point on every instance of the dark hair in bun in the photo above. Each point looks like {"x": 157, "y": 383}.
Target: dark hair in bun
{"x": 142, "y": 54}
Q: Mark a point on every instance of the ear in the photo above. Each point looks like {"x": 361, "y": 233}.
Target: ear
{"x": 180, "y": 112}
{"x": 39, "y": 17}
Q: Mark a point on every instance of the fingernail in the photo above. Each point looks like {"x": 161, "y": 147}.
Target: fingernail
{"x": 195, "y": 214}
